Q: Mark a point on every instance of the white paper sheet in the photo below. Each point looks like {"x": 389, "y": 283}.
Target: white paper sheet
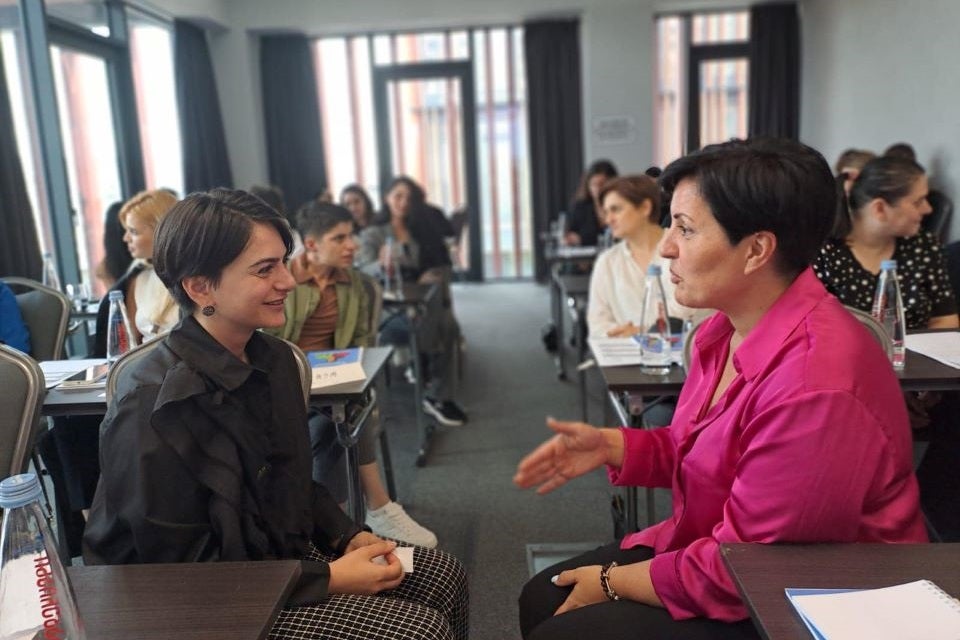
{"x": 943, "y": 346}
{"x": 54, "y": 371}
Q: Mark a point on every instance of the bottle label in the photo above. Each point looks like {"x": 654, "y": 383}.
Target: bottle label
{"x": 31, "y": 602}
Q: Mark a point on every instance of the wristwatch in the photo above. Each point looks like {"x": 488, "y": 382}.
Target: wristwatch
{"x": 605, "y": 581}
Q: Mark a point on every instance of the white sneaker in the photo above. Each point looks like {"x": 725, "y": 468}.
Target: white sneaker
{"x": 391, "y": 521}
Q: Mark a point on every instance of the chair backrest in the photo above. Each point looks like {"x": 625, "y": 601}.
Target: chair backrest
{"x": 46, "y": 313}
{"x": 123, "y": 363}
{"x": 306, "y": 373}
{"x": 23, "y": 392}
{"x": 374, "y": 293}
{"x": 876, "y": 329}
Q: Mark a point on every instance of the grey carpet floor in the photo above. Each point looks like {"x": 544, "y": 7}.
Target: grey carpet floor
{"x": 465, "y": 492}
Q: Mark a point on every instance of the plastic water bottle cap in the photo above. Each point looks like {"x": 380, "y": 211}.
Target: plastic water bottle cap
{"x": 17, "y": 491}
{"x": 888, "y": 264}
{"x": 116, "y": 295}
{"x": 653, "y": 270}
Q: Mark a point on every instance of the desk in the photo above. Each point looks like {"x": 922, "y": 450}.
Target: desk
{"x": 557, "y": 258}
{"x": 761, "y": 572}
{"x": 59, "y": 403}
{"x": 920, "y": 374}
{"x": 414, "y": 302}
{"x": 349, "y": 426}
{"x": 190, "y": 601}
{"x": 573, "y": 290}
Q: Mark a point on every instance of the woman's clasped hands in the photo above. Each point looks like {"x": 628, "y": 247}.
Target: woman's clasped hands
{"x": 357, "y": 572}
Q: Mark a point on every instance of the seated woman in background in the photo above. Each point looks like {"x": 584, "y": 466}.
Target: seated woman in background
{"x": 355, "y": 199}
{"x": 151, "y": 309}
{"x": 71, "y": 447}
{"x": 785, "y": 388}
{"x": 880, "y": 221}
{"x": 329, "y": 309}
{"x": 13, "y": 331}
{"x": 116, "y": 256}
{"x": 206, "y": 455}
{"x": 585, "y": 222}
{"x": 618, "y": 279}
{"x": 417, "y": 233}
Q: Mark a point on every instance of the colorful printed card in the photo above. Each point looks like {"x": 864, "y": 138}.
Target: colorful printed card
{"x": 337, "y": 366}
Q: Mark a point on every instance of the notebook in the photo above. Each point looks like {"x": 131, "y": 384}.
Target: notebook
{"x": 917, "y": 610}
{"x": 334, "y": 367}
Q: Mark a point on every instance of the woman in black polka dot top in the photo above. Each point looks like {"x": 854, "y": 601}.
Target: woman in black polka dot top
{"x": 887, "y": 202}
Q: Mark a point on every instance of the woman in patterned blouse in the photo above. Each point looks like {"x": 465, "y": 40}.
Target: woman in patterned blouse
{"x": 886, "y": 205}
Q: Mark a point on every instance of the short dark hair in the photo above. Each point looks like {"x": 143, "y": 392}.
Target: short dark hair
{"x": 317, "y": 218}
{"x": 636, "y": 190}
{"x": 764, "y": 184}
{"x": 205, "y": 232}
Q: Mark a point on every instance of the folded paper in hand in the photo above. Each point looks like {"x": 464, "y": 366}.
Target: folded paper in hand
{"x": 337, "y": 366}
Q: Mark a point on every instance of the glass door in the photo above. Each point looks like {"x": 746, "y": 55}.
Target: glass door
{"x": 426, "y": 130}
{"x": 90, "y": 150}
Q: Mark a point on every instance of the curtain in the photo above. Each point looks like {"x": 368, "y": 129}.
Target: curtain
{"x": 292, "y": 118}
{"x": 775, "y": 70}
{"x": 552, "y": 50}
{"x": 19, "y": 247}
{"x": 205, "y": 161}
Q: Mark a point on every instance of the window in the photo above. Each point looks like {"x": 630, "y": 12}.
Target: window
{"x": 88, "y": 14}
{"x": 701, "y": 94}
{"x": 426, "y": 128}
{"x": 14, "y": 67}
{"x": 151, "y": 57}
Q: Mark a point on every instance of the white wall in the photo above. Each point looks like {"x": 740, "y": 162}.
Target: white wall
{"x": 882, "y": 71}
{"x": 617, "y": 52}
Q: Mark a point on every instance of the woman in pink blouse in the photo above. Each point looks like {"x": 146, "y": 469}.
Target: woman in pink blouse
{"x": 790, "y": 428}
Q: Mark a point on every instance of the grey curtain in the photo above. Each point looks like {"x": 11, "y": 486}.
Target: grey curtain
{"x": 292, "y": 118}
{"x": 19, "y": 248}
{"x": 775, "y": 70}
{"x": 205, "y": 161}
{"x": 552, "y": 50}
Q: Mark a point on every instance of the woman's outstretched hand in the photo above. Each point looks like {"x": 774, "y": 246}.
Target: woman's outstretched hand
{"x": 576, "y": 449}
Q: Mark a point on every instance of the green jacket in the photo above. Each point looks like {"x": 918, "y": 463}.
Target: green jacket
{"x": 353, "y": 317}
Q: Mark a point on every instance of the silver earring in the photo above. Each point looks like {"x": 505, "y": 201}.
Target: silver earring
{"x": 208, "y": 310}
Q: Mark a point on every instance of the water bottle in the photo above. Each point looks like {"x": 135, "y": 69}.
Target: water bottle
{"x": 654, "y": 336}
{"x": 36, "y": 600}
{"x": 393, "y": 276}
{"x": 119, "y": 335}
{"x": 50, "y": 277}
{"x": 888, "y": 310}
{"x": 561, "y": 231}
{"x": 606, "y": 240}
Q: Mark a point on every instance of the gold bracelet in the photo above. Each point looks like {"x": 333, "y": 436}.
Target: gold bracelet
{"x": 605, "y": 581}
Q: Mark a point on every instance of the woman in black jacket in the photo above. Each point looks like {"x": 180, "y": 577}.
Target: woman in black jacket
{"x": 205, "y": 454}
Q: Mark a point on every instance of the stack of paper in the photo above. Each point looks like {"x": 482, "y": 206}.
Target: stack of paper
{"x": 913, "y": 611}
{"x": 338, "y": 366}
{"x": 625, "y": 352}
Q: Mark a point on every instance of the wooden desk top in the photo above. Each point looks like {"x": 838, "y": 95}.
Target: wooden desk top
{"x": 208, "y": 601}
{"x": 761, "y": 573}
{"x": 920, "y": 374}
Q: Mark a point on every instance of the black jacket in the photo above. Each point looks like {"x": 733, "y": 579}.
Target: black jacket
{"x": 206, "y": 458}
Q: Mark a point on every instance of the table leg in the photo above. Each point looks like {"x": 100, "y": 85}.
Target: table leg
{"x": 348, "y": 432}
{"x": 581, "y": 329}
{"x": 424, "y": 429}
{"x": 558, "y": 320}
